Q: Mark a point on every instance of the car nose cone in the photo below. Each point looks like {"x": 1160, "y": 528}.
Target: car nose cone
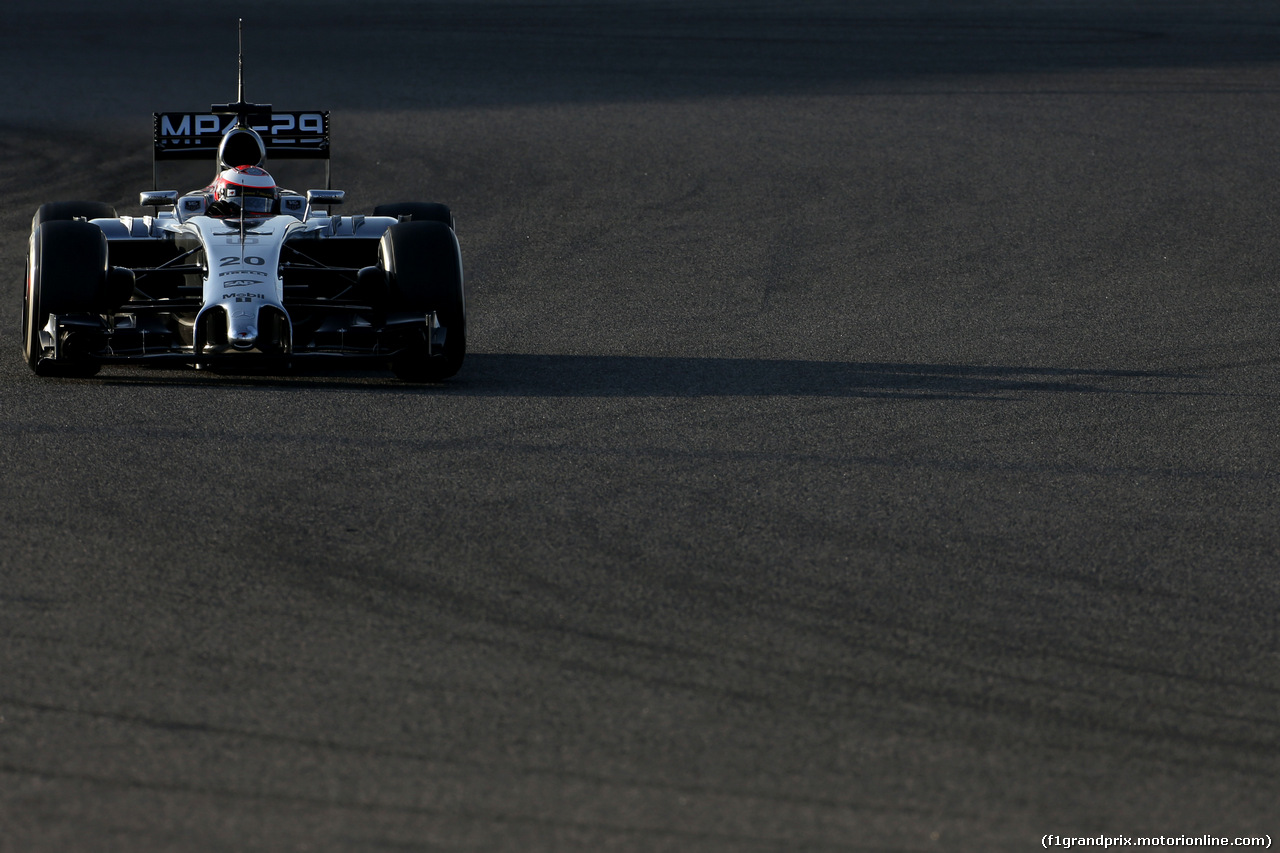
{"x": 244, "y": 337}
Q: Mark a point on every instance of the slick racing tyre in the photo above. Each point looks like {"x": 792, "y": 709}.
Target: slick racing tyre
{"x": 423, "y": 267}
{"x": 66, "y": 274}
{"x": 417, "y": 211}
{"x": 60, "y": 210}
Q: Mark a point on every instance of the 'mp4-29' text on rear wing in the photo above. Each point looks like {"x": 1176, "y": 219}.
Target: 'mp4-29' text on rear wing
{"x": 196, "y": 136}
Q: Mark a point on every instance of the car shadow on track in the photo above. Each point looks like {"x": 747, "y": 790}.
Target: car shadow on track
{"x": 541, "y": 375}
{"x": 641, "y": 376}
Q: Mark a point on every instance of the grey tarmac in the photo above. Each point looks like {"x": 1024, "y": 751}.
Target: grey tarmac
{"x": 868, "y": 440}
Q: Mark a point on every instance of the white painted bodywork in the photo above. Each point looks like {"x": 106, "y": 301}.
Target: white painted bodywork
{"x": 244, "y": 269}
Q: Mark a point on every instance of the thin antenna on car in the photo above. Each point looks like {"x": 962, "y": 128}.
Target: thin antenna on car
{"x": 240, "y": 109}
{"x": 240, "y": 69}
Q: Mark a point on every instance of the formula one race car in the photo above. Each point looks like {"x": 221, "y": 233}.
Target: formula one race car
{"x": 242, "y": 275}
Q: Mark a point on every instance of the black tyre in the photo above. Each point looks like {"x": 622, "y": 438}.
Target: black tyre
{"x": 66, "y": 274}
{"x": 423, "y": 266}
{"x": 417, "y": 211}
{"x": 60, "y": 210}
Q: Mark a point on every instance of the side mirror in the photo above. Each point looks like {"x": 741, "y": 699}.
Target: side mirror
{"x": 158, "y": 198}
{"x": 323, "y": 198}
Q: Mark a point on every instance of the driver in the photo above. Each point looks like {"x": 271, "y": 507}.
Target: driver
{"x": 244, "y": 190}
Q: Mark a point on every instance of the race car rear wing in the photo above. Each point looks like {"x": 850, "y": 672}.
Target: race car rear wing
{"x": 196, "y": 136}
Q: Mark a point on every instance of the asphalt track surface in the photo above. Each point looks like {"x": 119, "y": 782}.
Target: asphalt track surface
{"x": 868, "y": 440}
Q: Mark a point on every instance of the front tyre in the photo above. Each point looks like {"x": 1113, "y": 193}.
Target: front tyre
{"x": 66, "y": 274}
{"x": 423, "y": 266}
{"x": 57, "y": 211}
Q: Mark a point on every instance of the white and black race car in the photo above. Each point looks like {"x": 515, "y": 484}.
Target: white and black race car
{"x": 242, "y": 275}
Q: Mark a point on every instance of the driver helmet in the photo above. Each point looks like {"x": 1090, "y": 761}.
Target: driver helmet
{"x": 250, "y": 188}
